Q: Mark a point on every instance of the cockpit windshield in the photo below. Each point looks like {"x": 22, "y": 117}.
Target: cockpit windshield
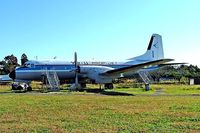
{"x": 28, "y": 64}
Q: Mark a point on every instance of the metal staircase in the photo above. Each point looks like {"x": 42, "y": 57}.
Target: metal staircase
{"x": 53, "y": 81}
{"x": 147, "y": 79}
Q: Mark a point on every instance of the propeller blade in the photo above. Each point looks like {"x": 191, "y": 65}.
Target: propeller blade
{"x": 77, "y": 69}
{"x": 76, "y": 85}
{"x": 75, "y": 60}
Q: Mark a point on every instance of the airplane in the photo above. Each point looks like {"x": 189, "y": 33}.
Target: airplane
{"x": 98, "y": 72}
{"x": 5, "y": 79}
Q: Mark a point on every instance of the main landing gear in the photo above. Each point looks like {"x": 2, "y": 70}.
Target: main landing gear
{"x": 108, "y": 86}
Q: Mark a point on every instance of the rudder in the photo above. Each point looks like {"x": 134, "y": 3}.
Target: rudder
{"x": 154, "y": 50}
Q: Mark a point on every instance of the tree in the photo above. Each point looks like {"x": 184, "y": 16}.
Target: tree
{"x": 11, "y": 60}
{"x": 10, "y": 63}
{"x": 24, "y": 59}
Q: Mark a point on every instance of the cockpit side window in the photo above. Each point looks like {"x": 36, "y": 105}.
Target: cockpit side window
{"x": 28, "y": 65}
{"x": 25, "y": 65}
{"x": 32, "y": 65}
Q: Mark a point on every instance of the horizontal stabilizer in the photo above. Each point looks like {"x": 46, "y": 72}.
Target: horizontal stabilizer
{"x": 171, "y": 64}
{"x": 135, "y": 67}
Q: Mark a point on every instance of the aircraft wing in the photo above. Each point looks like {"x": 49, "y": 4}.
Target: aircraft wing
{"x": 5, "y": 78}
{"x": 135, "y": 67}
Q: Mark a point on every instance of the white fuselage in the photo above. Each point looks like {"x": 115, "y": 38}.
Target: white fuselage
{"x": 34, "y": 71}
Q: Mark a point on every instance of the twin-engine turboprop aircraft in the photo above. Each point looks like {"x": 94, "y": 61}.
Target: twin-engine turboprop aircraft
{"x": 98, "y": 72}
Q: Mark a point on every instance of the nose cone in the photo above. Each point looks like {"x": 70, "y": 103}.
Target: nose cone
{"x": 12, "y": 75}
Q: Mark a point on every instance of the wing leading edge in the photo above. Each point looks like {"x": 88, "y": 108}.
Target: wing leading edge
{"x": 135, "y": 67}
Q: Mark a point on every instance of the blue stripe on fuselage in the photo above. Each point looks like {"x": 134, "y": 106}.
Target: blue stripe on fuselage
{"x": 48, "y": 67}
{"x": 71, "y": 67}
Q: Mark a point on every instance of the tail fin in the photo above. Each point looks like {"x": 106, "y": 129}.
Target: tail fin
{"x": 154, "y": 50}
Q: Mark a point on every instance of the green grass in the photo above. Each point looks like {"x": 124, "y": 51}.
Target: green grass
{"x": 91, "y": 113}
{"x": 165, "y": 90}
{"x": 178, "y": 111}
{"x": 178, "y": 89}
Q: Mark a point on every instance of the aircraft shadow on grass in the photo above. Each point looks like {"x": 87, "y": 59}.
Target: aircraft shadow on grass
{"x": 95, "y": 91}
{"x": 109, "y": 93}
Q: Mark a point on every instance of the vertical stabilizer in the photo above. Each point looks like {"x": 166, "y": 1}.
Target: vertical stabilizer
{"x": 154, "y": 50}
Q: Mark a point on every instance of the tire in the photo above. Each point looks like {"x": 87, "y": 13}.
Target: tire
{"x": 83, "y": 85}
{"x": 29, "y": 88}
{"x": 108, "y": 86}
{"x": 19, "y": 88}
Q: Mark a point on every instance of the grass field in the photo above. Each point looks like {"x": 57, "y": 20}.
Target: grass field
{"x": 87, "y": 112}
{"x": 164, "y": 90}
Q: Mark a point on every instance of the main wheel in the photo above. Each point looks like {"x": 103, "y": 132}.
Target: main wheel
{"x": 29, "y": 88}
{"x": 83, "y": 85}
{"x": 108, "y": 86}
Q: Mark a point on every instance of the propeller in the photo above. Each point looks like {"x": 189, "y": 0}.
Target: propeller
{"x": 76, "y": 69}
{"x": 76, "y": 86}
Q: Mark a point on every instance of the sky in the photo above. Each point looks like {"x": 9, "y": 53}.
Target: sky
{"x": 99, "y": 30}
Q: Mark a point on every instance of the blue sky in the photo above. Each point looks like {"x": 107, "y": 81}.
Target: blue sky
{"x": 103, "y": 30}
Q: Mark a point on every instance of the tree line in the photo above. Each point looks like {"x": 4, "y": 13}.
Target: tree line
{"x": 176, "y": 72}
{"x": 10, "y": 62}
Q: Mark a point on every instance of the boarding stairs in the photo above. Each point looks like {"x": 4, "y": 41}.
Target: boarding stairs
{"x": 53, "y": 80}
{"x": 147, "y": 79}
